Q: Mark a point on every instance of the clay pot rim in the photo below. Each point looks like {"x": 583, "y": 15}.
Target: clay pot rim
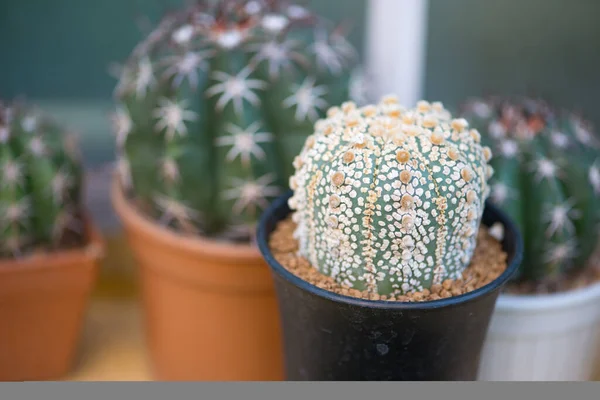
{"x": 94, "y": 249}
{"x": 191, "y": 243}
{"x": 496, "y": 285}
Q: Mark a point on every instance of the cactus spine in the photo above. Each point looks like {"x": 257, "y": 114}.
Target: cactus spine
{"x": 387, "y": 199}
{"x": 215, "y": 103}
{"x": 40, "y": 185}
{"x": 547, "y": 179}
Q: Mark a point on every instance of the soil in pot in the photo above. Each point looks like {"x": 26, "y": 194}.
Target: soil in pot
{"x": 577, "y": 279}
{"x": 488, "y": 263}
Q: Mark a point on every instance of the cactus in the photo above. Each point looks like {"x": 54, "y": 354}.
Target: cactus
{"x": 40, "y": 189}
{"x": 214, "y": 105}
{"x": 389, "y": 200}
{"x": 547, "y": 179}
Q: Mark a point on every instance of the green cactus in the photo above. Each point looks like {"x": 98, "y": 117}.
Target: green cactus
{"x": 547, "y": 179}
{"x": 214, "y": 105}
{"x": 40, "y": 189}
{"x": 389, "y": 200}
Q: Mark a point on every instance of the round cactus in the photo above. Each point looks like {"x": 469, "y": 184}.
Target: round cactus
{"x": 216, "y": 102}
{"x": 40, "y": 186}
{"x": 389, "y": 200}
{"x": 547, "y": 179}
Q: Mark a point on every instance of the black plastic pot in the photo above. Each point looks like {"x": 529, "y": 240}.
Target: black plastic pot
{"x": 330, "y": 337}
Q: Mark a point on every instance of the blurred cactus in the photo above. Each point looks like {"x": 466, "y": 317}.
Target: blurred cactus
{"x": 389, "y": 200}
{"x": 40, "y": 190}
{"x": 216, "y": 102}
{"x": 547, "y": 178}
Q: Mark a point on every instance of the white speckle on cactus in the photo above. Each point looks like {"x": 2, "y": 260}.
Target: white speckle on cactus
{"x": 12, "y": 174}
{"x": 252, "y": 7}
{"x": 466, "y": 174}
{"x": 497, "y": 130}
{"x": 460, "y": 124}
{"x": 175, "y": 211}
{"x": 183, "y": 34}
{"x": 37, "y": 147}
{"x": 121, "y": 123}
{"x": 487, "y": 153}
{"x": 326, "y": 56}
{"x": 295, "y": 11}
{"x": 186, "y": 67}
{"x": 559, "y": 253}
{"x": 278, "y": 54}
{"x": 170, "y": 170}
{"x": 228, "y": 39}
{"x": 124, "y": 171}
{"x": 307, "y": 99}
{"x": 15, "y": 212}
{"x": 481, "y": 109}
{"x": 544, "y": 169}
{"x": 500, "y": 193}
{"x": 64, "y": 221}
{"x": 172, "y": 116}
{"x": 29, "y": 123}
{"x": 274, "y": 23}
{"x": 559, "y": 139}
{"x": 509, "y": 148}
{"x": 61, "y": 182}
{"x": 584, "y": 135}
{"x": 235, "y": 88}
{"x": 144, "y": 77}
{"x": 250, "y": 194}
{"x": 594, "y": 177}
{"x": 560, "y": 217}
{"x": 244, "y": 142}
{"x": 376, "y": 179}
{"x": 4, "y": 134}
{"x": 475, "y": 135}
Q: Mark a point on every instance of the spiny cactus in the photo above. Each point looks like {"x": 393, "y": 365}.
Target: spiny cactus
{"x": 40, "y": 186}
{"x": 389, "y": 200}
{"x": 547, "y": 179}
{"x": 217, "y": 101}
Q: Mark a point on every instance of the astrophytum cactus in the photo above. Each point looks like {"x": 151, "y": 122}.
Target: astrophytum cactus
{"x": 40, "y": 183}
{"x": 547, "y": 179}
{"x": 389, "y": 200}
{"x": 217, "y": 101}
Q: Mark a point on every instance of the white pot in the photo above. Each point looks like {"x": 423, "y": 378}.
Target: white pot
{"x": 552, "y": 337}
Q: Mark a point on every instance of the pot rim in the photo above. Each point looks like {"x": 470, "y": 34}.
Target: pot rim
{"x": 192, "y": 243}
{"x": 94, "y": 249}
{"x": 548, "y": 301}
{"x": 281, "y": 201}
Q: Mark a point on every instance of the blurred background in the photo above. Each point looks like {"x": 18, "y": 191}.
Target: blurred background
{"x": 59, "y": 53}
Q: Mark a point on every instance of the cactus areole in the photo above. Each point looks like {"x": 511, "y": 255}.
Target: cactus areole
{"x": 389, "y": 199}
{"x": 547, "y": 179}
{"x": 214, "y": 104}
{"x": 40, "y": 183}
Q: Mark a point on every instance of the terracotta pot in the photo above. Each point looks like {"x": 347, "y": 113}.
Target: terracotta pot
{"x": 210, "y": 307}
{"x": 43, "y": 300}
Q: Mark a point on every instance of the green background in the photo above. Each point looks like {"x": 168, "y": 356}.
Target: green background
{"x": 58, "y": 52}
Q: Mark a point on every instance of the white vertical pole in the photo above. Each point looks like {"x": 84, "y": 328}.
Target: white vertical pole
{"x": 395, "y": 49}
